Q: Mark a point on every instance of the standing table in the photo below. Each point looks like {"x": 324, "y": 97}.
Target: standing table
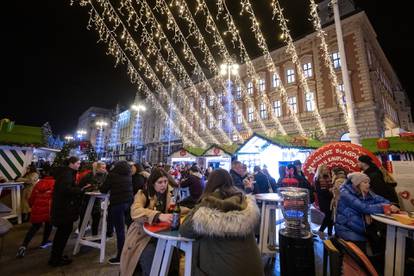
{"x": 395, "y": 245}
{"x": 15, "y": 188}
{"x": 269, "y": 222}
{"x": 163, "y": 253}
{"x": 89, "y": 241}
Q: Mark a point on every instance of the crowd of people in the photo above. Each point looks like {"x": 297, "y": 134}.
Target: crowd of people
{"x": 222, "y": 214}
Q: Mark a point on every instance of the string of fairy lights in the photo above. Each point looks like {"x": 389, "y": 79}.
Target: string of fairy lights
{"x": 158, "y": 70}
{"x": 114, "y": 49}
{"x": 291, "y": 50}
{"x": 316, "y": 21}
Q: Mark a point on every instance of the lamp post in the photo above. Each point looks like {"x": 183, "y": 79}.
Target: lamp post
{"x": 68, "y": 138}
{"x": 228, "y": 69}
{"x": 99, "y": 143}
{"x": 135, "y": 138}
{"x": 80, "y": 133}
{"x": 353, "y": 131}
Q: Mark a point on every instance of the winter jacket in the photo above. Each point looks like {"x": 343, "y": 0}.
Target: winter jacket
{"x": 193, "y": 182}
{"x": 138, "y": 182}
{"x": 136, "y": 239}
{"x": 352, "y": 207}
{"x": 95, "y": 180}
{"x": 262, "y": 184}
{"x": 119, "y": 183}
{"x": 379, "y": 186}
{"x": 237, "y": 179}
{"x": 322, "y": 187}
{"x": 66, "y": 198}
{"x": 223, "y": 229}
{"x": 41, "y": 200}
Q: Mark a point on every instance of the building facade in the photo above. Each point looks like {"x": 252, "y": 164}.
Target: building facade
{"x": 87, "y": 121}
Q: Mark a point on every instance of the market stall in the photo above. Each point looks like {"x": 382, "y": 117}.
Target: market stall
{"x": 260, "y": 150}
{"x": 218, "y": 156}
{"x": 185, "y": 156}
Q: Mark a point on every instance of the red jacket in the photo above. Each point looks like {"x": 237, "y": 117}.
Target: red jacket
{"x": 41, "y": 200}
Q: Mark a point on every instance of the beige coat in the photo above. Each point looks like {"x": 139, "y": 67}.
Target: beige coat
{"x": 136, "y": 239}
{"x": 29, "y": 181}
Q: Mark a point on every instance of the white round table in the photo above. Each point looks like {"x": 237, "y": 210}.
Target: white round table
{"x": 269, "y": 222}
{"x": 163, "y": 253}
{"x": 395, "y": 244}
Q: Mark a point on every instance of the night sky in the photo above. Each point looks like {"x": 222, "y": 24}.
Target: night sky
{"x": 55, "y": 69}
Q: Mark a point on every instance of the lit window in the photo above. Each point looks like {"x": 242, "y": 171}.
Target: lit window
{"x": 210, "y": 100}
{"x": 202, "y": 126}
{"x": 293, "y": 104}
{"x": 262, "y": 85}
{"x": 307, "y": 70}
{"x": 239, "y": 117}
{"x": 290, "y": 73}
{"x": 238, "y": 92}
{"x": 220, "y": 121}
{"x": 235, "y": 138}
{"x": 202, "y": 105}
{"x": 220, "y": 96}
{"x": 263, "y": 111}
{"x": 250, "y": 115}
{"x": 250, "y": 88}
{"x": 275, "y": 80}
{"x": 277, "y": 108}
{"x": 336, "y": 60}
{"x": 210, "y": 122}
{"x": 310, "y": 101}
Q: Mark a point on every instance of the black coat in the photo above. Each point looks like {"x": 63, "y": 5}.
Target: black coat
{"x": 66, "y": 199}
{"x": 237, "y": 179}
{"x": 379, "y": 186}
{"x": 119, "y": 183}
{"x": 262, "y": 184}
{"x": 138, "y": 182}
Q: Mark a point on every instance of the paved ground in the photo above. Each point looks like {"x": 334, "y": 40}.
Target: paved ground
{"x": 85, "y": 263}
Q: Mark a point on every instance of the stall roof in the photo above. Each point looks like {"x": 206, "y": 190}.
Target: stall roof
{"x": 284, "y": 141}
{"x": 397, "y": 145}
{"x": 229, "y": 149}
{"x": 22, "y": 136}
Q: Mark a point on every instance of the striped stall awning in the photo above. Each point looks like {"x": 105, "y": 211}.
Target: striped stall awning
{"x": 14, "y": 160}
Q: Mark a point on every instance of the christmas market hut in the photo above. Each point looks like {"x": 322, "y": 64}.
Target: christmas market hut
{"x": 185, "y": 156}
{"x": 272, "y": 152}
{"x": 219, "y": 156}
{"x": 17, "y": 143}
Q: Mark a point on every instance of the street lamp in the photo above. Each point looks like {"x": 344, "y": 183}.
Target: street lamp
{"x": 80, "y": 133}
{"x": 135, "y": 141}
{"x": 69, "y": 138}
{"x": 99, "y": 143}
{"x": 229, "y": 69}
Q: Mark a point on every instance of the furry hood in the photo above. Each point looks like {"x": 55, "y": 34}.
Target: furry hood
{"x": 231, "y": 217}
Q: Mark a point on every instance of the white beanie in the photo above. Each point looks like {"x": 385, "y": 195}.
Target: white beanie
{"x": 356, "y": 178}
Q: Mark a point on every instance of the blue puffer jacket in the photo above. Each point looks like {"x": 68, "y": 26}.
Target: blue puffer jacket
{"x": 350, "y": 223}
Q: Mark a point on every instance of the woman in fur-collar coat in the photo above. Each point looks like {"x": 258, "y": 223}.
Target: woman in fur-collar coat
{"x": 223, "y": 224}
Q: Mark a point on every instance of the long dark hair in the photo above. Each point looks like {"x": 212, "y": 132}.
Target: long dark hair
{"x": 221, "y": 180}
{"x": 156, "y": 174}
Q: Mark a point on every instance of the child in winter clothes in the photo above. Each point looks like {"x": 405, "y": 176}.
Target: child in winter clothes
{"x": 40, "y": 202}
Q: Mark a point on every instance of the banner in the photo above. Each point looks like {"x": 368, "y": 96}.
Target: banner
{"x": 338, "y": 154}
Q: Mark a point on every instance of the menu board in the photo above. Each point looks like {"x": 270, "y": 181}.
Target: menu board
{"x": 403, "y": 173}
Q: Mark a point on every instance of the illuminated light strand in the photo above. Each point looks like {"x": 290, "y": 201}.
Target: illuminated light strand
{"x": 327, "y": 57}
{"x": 291, "y": 49}
{"x": 148, "y": 72}
{"x": 202, "y": 7}
{"x": 115, "y": 49}
{"x": 261, "y": 42}
{"x": 251, "y": 71}
{"x": 169, "y": 75}
{"x": 131, "y": 45}
{"x": 163, "y": 8}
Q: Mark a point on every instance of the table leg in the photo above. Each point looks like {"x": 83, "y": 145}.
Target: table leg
{"x": 167, "y": 257}
{"x": 18, "y": 205}
{"x": 156, "y": 263}
{"x": 103, "y": 231}
{"x": 1, "y": 190}
{"x": 400, "y": 252}
{"x": 187, "y": 247}
{"x": 85, "y": 221}
{"x": 390, "y": 251}
{"x": 262, "y": 220}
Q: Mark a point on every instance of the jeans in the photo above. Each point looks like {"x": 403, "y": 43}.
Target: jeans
{"x": 59, "y": 242}
{"x": 118, "y": 214}
{"x": 33, "y": 230}
{"x": 147, "y": 256}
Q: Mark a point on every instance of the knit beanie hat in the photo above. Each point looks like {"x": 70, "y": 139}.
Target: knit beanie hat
{"x": 356, "y": 178}
{"x": 365, "y": 159}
